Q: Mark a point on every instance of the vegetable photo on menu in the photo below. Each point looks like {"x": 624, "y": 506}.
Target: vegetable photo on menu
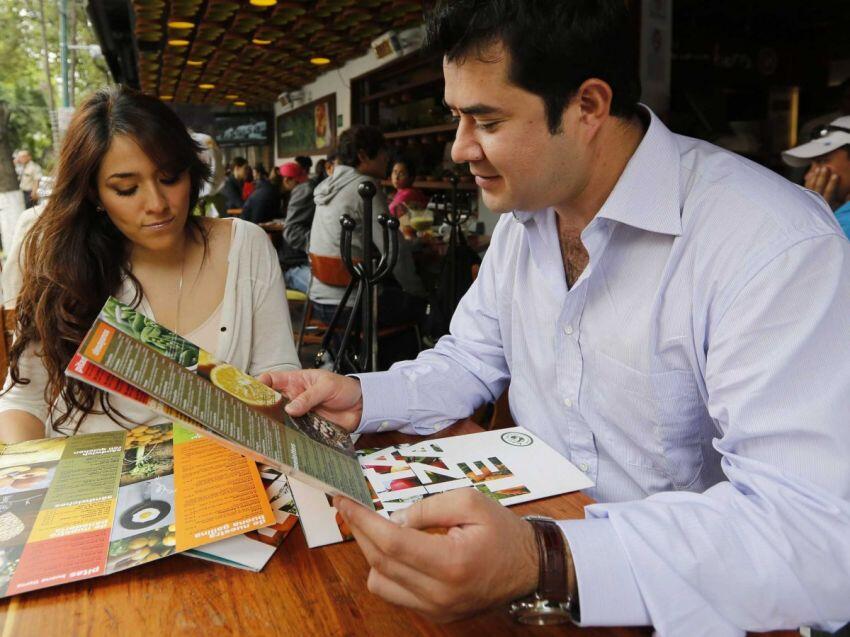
{"x": 218, "y": 400}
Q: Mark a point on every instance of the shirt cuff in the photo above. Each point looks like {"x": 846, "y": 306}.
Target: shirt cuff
{"x": 384, "y": 402}
{"x": 608, "y": 592}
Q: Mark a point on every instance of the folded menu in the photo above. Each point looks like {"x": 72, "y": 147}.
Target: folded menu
{"x": 254, "y": 549}
{"x": 129, "y": 354}
{"x": 509, "y": 465}
{"x": 93, "y": 504}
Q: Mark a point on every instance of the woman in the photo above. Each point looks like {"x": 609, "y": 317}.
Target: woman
{"x": 118, "y": 224}
{"x": 406, "y": 196}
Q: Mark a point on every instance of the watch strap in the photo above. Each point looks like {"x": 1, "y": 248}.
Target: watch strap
{"x": 552, "y": 552}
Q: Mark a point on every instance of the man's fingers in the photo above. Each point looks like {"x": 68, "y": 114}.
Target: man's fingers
{"x": 384, "y": 587}
{"x": 444, "y": 510}
{"x": 414, "y": 581}
{"x": 312, "y": 395}
{"x": 422, "y": 552}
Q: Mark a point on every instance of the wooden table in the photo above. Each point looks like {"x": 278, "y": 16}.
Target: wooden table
{"x": 301, "y": 592}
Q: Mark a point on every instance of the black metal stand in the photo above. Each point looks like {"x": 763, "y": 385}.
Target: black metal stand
{"x": 455, "y": 218}
{"x": 365, "y": 276}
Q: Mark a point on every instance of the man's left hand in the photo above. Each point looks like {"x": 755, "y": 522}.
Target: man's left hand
{"x": 488, "y": 555}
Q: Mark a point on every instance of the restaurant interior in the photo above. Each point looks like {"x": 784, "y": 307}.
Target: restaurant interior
{"x": 269, "y": 86}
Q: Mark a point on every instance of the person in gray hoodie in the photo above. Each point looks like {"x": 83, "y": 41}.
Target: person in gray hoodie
{"x": 362, "y": 156}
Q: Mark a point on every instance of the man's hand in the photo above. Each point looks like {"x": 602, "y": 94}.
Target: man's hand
{"x": 823, "y": 181}
{"x": 487, "y": 557}
{"x": 336, "y": 398}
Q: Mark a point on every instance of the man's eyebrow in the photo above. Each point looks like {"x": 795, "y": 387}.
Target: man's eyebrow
{"x": 120, "y": 175}
{"x": 475, "y": 109}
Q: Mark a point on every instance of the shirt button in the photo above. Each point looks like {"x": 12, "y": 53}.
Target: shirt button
{"x": 568, "y": 330}
{"x": 568, "y": 402}
{"x": 583, "y": 466}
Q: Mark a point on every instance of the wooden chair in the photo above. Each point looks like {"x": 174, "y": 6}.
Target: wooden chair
{"x": 332, "y": 271}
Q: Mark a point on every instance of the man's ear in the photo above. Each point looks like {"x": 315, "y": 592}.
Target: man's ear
{"x": 361, "y": 157}
{"x": 594, "y": 101}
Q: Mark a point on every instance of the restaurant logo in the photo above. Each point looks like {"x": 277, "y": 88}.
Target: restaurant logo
{"x": 517, "y": 438}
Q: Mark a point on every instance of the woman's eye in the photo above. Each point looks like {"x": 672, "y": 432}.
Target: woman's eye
{"x": 126, "y": 193}
{"x": 168, "y": 181}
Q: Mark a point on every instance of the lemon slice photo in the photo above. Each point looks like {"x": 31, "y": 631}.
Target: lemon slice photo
{"x": 239, "y": 385}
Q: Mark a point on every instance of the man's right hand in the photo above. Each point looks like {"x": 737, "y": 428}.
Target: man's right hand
{"x": 334, "y": 397}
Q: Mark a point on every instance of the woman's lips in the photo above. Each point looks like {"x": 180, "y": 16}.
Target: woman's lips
{"x": 159, "y": 225}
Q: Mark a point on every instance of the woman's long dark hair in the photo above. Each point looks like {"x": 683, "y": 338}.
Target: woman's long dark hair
{"x": 74, "y": 257}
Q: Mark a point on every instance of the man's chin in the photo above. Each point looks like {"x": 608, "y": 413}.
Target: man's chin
{"x": 496, "y": 204}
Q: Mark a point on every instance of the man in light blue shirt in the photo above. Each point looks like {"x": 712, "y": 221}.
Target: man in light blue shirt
{"x": 672, "y": 318}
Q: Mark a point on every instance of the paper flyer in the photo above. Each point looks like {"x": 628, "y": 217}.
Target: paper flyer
{"x": 180, "y": 380}
{"x": 509, "y": 465}
{"x": 92, "y": 504}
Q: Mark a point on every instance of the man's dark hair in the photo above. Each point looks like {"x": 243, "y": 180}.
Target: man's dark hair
{"x": 305, "y": 162}
{"x": 369, "y": 139}
{"x": 332, "y": 156}
{"x": 554, "y": 46}
{"x": 238, "y": 162}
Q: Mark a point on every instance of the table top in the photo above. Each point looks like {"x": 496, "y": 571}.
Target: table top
{"x": 301, "y": 591}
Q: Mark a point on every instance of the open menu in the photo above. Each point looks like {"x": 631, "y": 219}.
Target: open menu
{"x": 252, "y": 551}
{"x": 129, "y": 354}
{"x": 93, "y": 504}
{"x": 509, "y": 465}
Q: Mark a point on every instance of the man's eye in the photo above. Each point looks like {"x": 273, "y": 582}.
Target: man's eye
{"x": 126, "y": 193}
{"x": 486, "y": 126}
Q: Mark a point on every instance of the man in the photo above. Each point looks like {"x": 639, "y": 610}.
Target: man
{"x": 296, "y": 231}
{"x": 232, "y": 189}
{"x": 672, "y": 318}
{"x": 264, "y": 203}
{"x": 828, "y": 158}
{"x": 361, "y": 156}
{"x": 30, "y": 174}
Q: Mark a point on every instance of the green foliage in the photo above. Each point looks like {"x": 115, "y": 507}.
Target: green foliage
{"x": 23, "y": 85}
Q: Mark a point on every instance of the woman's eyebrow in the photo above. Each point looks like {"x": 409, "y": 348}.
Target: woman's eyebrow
{"x": 121, "y": 175}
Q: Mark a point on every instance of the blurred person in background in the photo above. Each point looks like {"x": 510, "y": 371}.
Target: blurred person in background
{"x": 402, "y": 177}
{"x": 232, "y": 189}
{"x": 828, "y": 157}
{"x": 30, "y": 174}
{"x": 247, "y": 182}
{"x": 296, "y": 231}
{"x": 263, "y": 204}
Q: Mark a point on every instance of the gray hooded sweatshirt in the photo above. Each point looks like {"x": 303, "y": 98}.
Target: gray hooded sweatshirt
{"x": 335, "y": 196}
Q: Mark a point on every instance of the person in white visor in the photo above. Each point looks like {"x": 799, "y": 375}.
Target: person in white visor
{"x": 828, "y": 158}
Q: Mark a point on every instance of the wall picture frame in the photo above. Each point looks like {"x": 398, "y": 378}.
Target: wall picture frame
{"x": 307, "y": 130}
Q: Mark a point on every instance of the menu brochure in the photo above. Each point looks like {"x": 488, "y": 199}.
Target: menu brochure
{"x": 509, "y": 465}
{"x": 128, "y": 353}
{"x": 93, "y": 504}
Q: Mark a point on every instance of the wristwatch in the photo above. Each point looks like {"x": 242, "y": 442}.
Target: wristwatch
{"x": 556, "y": 599}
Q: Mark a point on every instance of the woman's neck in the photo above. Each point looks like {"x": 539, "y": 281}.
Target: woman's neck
{"x": 142, "y": 258}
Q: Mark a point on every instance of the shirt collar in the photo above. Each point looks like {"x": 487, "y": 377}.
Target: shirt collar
{"x": 647, "y": 194}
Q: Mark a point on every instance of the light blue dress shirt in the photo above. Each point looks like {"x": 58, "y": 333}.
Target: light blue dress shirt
{"x": 698, "y": 371}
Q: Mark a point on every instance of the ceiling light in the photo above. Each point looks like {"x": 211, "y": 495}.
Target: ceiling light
{"x": 231, "y": 97}
{"x": 195, "y": 62}
{"x": 240, "y": 103}
{"x": 206, "y": 87}
{"x": 177, "y": 42}
{"x": 180, "y": 24}
{"x": 166, "y": 98}
{"x": 263, "y": 3}
{"x": 261, "y": 42}
{"x": 320, "y": 61}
